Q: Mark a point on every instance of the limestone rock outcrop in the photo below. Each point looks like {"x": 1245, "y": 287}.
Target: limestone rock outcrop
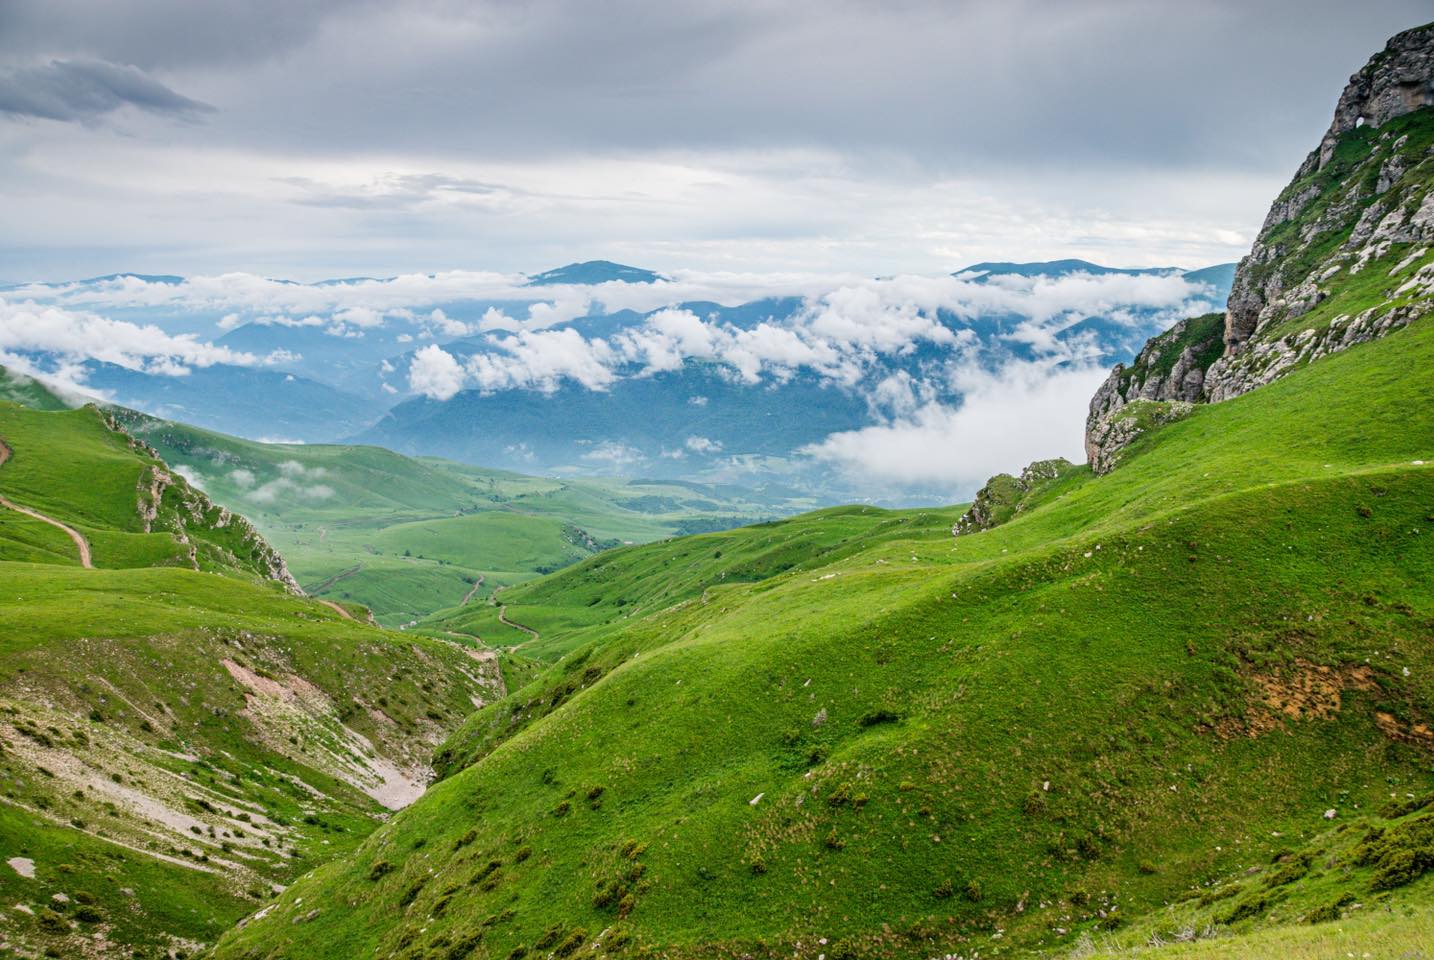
{"x": 1345, "y": 255}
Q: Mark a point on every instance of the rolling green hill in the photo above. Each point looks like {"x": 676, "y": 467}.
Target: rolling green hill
{"x": 1184, "y": 698}
{"x": 406, "y": 537}
{"x": 180, "y": 735}
{"x": 906, "y": 744}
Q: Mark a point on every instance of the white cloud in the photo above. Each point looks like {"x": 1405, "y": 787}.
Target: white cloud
{"x": 294, "y": 482}
{"x": 195, "y": 478}
{"x": 241, "y": 478}
{"x": 618, "y": 456}
{"x": 1023, "y": 411}
{"x": 78, "y": 335}
{"x": 843, "y": 332}
{"x": 703, "y": 445}
{"x": 434, "y": 373}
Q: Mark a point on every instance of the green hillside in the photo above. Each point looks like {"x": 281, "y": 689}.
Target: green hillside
{"x": 906, "y": 744}
{"x": 406, "y": 537}
{"x": 181, "y": 736}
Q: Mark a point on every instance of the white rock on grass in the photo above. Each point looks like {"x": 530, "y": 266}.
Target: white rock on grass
{"x": 24, "y": 866}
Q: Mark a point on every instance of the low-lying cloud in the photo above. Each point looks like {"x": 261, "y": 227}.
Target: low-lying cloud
{"x": 295, "y": 482}
{"x": 73, "y": 337}
{"x": 1021, "y": 411}
{"x": 841, "y": 334}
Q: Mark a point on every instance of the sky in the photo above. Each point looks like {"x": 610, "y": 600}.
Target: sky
{"x": 349, "y": 137}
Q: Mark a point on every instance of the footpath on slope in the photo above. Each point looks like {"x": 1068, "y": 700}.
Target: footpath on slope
{"x": 337, "y": 608}
{"x": 470, "y": 593}
{"x": 80, "y": 542}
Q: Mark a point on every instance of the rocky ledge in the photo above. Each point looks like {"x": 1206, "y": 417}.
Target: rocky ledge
{"x": 1344, "y": 257}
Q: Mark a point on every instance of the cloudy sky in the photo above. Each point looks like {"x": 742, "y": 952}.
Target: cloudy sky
{"x": 340, "y": 137}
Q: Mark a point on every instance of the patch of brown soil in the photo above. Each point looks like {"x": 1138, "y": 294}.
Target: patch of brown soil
{"x": 1418, "y": 734}
{"x": 1311, "y": 691}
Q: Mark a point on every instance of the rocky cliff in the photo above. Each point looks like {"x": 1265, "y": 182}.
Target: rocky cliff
{"x": 166, "y": 501}
{"x": 1343, "y": 257}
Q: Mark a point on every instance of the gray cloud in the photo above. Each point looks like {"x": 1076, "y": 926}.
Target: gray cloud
{"x": 513, "y": 134}
{"x": 84, "y": 90}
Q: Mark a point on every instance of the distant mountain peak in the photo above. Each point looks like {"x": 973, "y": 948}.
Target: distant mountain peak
{"x": 592, "y": 272}
{"x": 1055, "y": 268}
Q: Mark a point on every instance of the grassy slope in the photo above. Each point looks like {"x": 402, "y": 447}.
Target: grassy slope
{"x": 150, "y": 787}
{"x": 1006, "y": 741}
{"x": 409, "y": 536}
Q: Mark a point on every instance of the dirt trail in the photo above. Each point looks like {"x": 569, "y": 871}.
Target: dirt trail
{"x": 80, "y": 542}
{"x": 503, "y": 618}
{"x": 336, "y": 608}
{"x": 473, "y": 591}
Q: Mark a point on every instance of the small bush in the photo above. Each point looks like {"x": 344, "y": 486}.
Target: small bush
{"x": 88, "y": 914}
{"x": 1146, "y": 867}
{"x": 833, "y": 842}
{"x": 1292, "y": 870}
{"x": 571, "y": 943}
{"x": 1330, "y": 911}
{"x": 561, "y": 810}
{"x": 973, "y": 891}
{"x": 944, "y": 890}
{"x": 758, "y": 865}
{"x": 550, "y": 936}
{"x": 522, "y": 853}
{"x": 380, "y": 868}
{"x": 1246, "y": 909}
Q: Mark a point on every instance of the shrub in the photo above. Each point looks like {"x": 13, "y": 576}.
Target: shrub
{"x": 1246, "y": 909}
{"x": 1290, "y": 871}
{"x": 758, "y": 865}
{"x": 1146, "y": 867}
{"x": 944, "y": 891}
{"x": 1400, "y": 854}
{"x": 973, "y": 892}
{"x": 548, "y": 938}
{"x": 571, "y": 943}
{"x": 522, "y": 854}
{"x": 561, "y": 810}
{"x": 88, "y": 914}
{"x": 380, "y": 868}
{"x": 839, "y": 796}
{"x": 466, "y": 839}
{"x": 1330, "y": 911}
{"x": 833, "y": 842}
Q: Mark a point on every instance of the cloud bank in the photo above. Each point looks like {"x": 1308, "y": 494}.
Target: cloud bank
{"x": 841, "y": 335}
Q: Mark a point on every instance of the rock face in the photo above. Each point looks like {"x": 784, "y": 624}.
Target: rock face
{"x": 1343, "y": 257}
{"x": 1396, "y": 82}
{"x": 165, "y": 501}
{"x": 1004, "y": 496}
{"x": 1170, "y": 368}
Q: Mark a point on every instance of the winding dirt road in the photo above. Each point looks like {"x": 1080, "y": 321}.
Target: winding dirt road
{"x": 473, "y": 591}
{"x": 81, "y": 544}
{"x": 503, "y": 618}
